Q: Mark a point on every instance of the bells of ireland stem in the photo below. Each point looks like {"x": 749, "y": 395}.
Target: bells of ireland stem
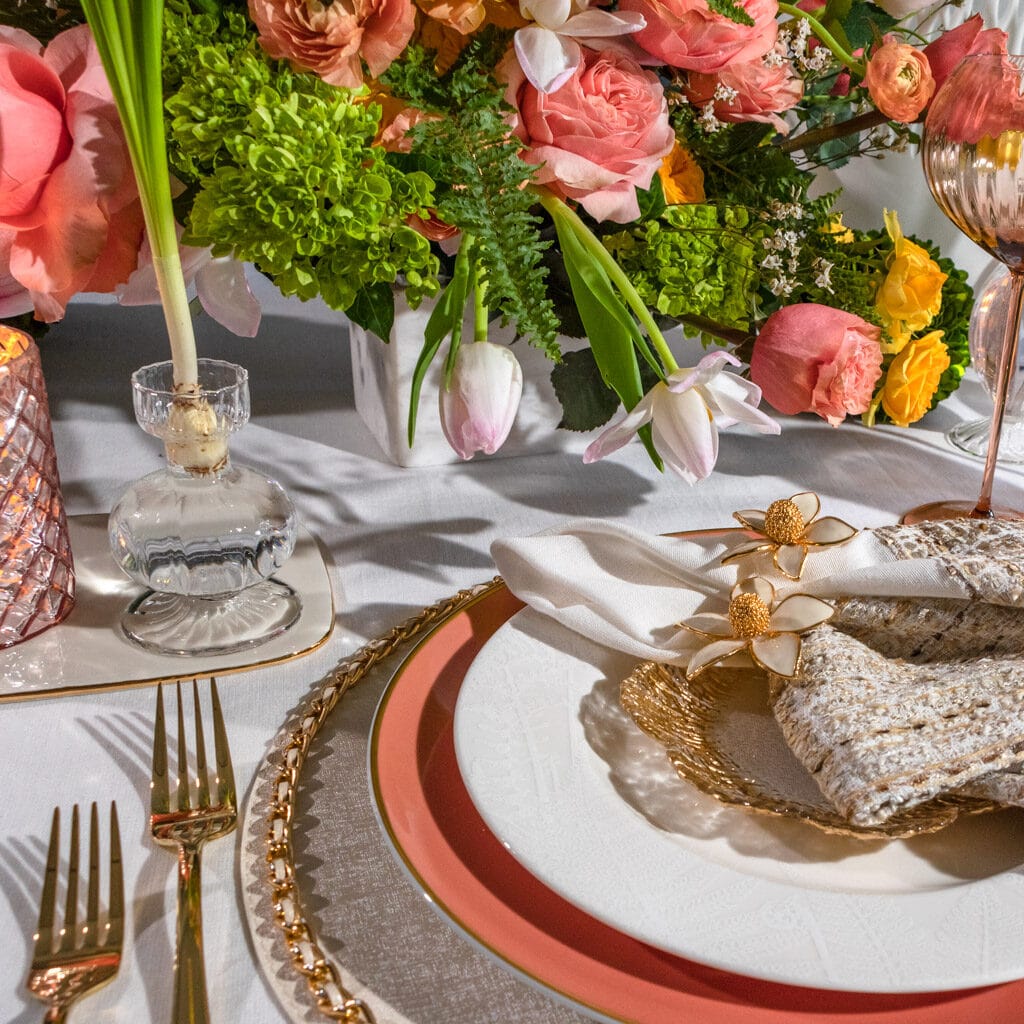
{"x": 480, "y": 403}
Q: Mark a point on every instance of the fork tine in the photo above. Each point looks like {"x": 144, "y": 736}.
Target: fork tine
{"x": 115, "y": 911}
{"x": 159, "y": 795}
{"x": 183, "y": 799}
{"x": 67, "y": 932}
{"x": 202, "y": 778}
{"x": 225, "y": 774}
{"x": 92, "y": 899}
{"x": 48, "y": 902}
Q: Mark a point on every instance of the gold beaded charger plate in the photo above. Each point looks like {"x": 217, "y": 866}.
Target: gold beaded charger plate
{"x": 720, "y": 735}
{"x": 87, "y": 652}
{"x": 591, "y": 805}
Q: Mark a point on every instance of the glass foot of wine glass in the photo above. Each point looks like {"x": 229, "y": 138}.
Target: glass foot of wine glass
{"x": 175, "y": 624}
{"x": 955, "y": 510}
{"x": 972, "y": 437}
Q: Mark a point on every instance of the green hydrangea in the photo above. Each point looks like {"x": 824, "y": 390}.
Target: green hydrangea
{"x": 281, "y": 170}
{"x": 693, "y": 261}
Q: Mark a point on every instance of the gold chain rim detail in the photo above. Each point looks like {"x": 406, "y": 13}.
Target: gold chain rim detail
{"x": 323, "y": 977}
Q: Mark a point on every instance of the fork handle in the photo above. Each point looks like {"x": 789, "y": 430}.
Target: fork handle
{"x": 190, "y": 1003}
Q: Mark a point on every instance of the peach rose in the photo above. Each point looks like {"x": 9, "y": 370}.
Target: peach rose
{"x": 334, "y": 39}
{"x": 899, "y": 80}
{"x": 688, "y": 34}
{"x": 598, "y": 137}
{"x": 748, "y": 91}
{"x": 70, "y": 217}
{"x": 813, "y": 358}
{"x": 951, "y": 47}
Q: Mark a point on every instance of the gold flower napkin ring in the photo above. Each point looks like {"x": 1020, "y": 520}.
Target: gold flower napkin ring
{"x": 768, "y": 631}
{"x": 790, "y": 528}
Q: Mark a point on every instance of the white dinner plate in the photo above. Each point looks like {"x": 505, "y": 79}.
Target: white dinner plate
{"x": 592, "y": 807}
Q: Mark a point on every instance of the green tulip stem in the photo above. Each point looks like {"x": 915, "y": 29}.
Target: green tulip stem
{"x": 557, "y": 208}
{"x": 481, "y": 317}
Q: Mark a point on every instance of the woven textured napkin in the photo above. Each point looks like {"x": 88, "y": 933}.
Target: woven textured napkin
{"x": 915, "y": 688}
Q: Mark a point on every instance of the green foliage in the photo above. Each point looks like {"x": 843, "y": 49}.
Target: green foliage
{"x": 488, "y": 200}
{"x": 731, "y": 10}
{"x": 282, "y": 169}
{"x": 587, "y": 402}
{"x": 865, "y": 23}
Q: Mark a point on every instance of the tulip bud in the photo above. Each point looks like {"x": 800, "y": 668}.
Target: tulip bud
{"x": 478, "y": 408}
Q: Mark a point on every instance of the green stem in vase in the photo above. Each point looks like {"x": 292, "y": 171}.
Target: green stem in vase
{"x": 129, "y": 37}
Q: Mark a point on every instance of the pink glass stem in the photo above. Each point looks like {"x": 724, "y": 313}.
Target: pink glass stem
{"x": 1007, "y": 363}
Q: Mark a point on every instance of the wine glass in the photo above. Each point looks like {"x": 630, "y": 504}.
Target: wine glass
{"x": 973, "y": 153}
{"x": 991, "y": 307}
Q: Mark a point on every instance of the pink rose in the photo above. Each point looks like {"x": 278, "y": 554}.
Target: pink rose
{"x": 597, "y": 137}
{"x": 981, "y": 100}
{"x": 757, "y": 92}
{"x": 899, "y": 80}
{"x": 333, "y": 39}
{"x": 70, "y": 217}
{"x": 813, "y": 358}
{"x": 688, "y": 34}
{"x": 951, "y": 47}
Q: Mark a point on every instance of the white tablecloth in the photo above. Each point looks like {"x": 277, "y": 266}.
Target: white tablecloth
{"x": 399, "y": 539}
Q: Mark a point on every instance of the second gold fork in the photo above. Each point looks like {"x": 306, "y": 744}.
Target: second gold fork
{"x": 187, "y": 827}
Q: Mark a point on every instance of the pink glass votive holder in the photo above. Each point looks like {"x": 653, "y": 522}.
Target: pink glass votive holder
{"x": 37, "y": 575}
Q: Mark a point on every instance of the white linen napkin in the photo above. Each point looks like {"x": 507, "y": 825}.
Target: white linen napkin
{"x": 629, "y": 591}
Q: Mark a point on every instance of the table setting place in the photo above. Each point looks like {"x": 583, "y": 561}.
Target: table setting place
{"x": 512, "y": 510}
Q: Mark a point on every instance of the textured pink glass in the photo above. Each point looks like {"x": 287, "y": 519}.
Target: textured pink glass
{"x": 37, "y": 576}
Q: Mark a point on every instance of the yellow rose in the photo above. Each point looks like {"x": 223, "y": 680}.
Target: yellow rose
{"x": 913, "y": 378}
{"x": 911, "y": 294}
{"x": 682, "y": 180}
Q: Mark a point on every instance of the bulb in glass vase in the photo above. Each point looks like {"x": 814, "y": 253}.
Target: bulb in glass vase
{"x": 203, "y": 535}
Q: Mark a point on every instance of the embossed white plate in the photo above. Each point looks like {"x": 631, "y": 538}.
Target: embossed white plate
{"x": 593, "y": 808}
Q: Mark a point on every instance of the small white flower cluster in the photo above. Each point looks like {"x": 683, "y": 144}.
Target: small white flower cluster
{"x": 782, "y": 255}
{"x": 823, "y": 273}
{"x": 725, "y": 94}
{"x": 707, "y": 120}
{"x": 793, "y": 44}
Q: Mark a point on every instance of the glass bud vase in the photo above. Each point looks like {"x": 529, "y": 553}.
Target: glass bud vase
{"x": 203, "y": 535}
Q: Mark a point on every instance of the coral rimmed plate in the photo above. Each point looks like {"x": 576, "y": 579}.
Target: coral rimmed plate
{"x": 485, "y": 893}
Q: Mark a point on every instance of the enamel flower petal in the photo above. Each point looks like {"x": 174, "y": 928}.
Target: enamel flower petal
{"x": 768, "y": 631}
{"x": 790, "y": 529}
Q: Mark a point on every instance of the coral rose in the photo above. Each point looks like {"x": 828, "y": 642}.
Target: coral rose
{"x": 899, "y": 80}
{"x": 813, "y": 358}
{"x": 910, "y": 297}
{"x": 688, "y": 34}
{"x": 913, "y": 379}
{"x": 748, "y": 91}
{"x": 597, "y": 138}
{"x": 951, "y": 47}
{"x": 333, "y": 39}
{"x": 70, "y": 218}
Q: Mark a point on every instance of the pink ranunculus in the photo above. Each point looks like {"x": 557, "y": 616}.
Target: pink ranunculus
{"x": 688, "y": 34}
{"x": 813, "y": 358}
{"x": 70, "y": 216}
{"x": 748, "y": 91}
{"x": 334, "y": 39}
{"x": 899, "y": 80}
{"x": 599, "y": 136}
{"x": 951, "y": 47}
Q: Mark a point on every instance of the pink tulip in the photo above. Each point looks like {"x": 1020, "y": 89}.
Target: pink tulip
{"x": 478, "y": 409}
{"x": 685, "y": 413}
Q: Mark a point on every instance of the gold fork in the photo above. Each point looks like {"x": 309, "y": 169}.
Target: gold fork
{"x": 187, "y": 828}
{"x": 87, "y": 957}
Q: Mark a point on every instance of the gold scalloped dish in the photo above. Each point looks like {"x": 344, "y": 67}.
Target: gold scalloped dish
{"x": 722, "y": 738}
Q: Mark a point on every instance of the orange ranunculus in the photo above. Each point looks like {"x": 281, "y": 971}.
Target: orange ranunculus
{"x": 911, "y": 295}
{"x": 682, "y": 179}
{"x": 70, "y": 217}
{"x": 899, "y": 80}
{"x": 913, "y": 378}
{"x": 333, "y": 40}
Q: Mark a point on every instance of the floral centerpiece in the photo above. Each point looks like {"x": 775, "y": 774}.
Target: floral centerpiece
{"x": 572, "y": 167}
